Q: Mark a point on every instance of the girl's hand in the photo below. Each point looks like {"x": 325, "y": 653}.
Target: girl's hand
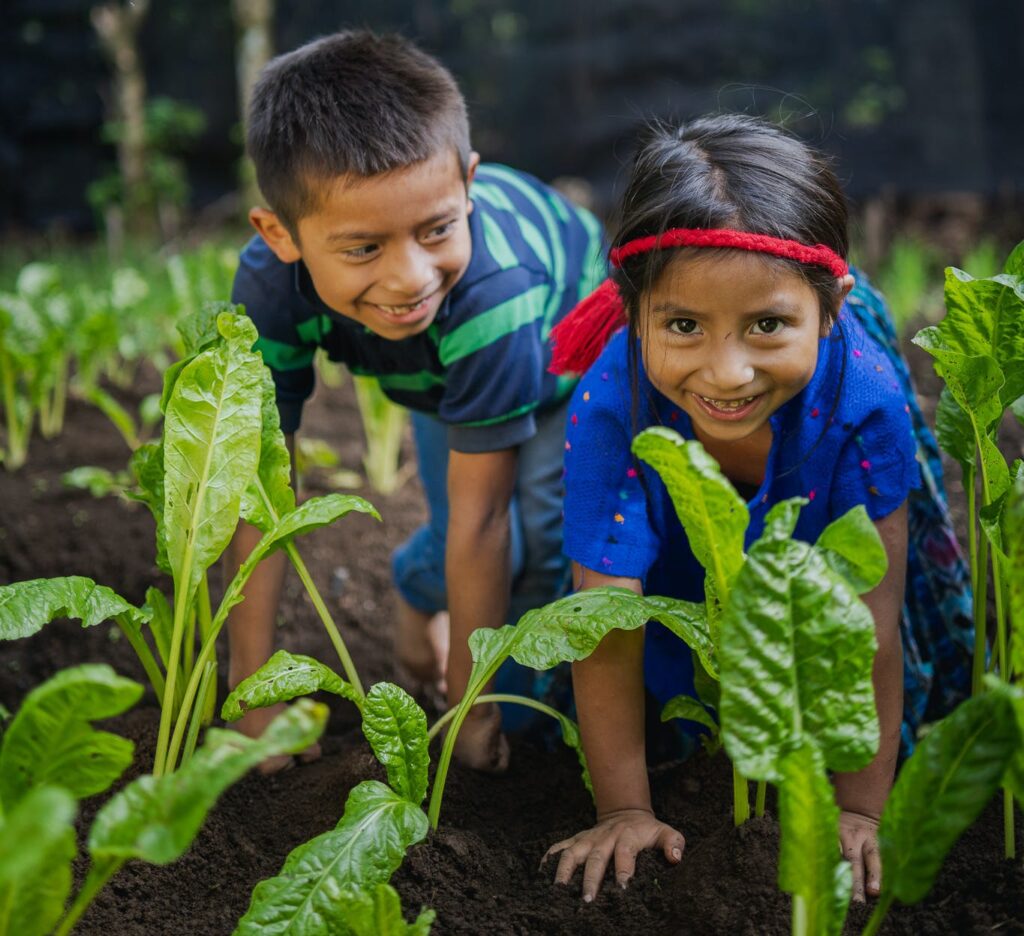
{"x": 622, "y": 834}
{"x": 858, "y": 838}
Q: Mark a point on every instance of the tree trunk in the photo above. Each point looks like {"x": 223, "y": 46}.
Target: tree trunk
{"x": 117, "y": 27}
{"x": 255, "y": 21}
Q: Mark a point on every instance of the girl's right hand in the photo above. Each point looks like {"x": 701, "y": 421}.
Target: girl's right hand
{"x": 622, "y": 834}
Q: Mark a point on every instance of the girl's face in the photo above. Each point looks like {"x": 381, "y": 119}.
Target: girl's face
{"x": 730, "y": 338}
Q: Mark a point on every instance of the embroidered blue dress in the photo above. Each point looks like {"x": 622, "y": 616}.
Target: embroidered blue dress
{"x": 853, "y": 436}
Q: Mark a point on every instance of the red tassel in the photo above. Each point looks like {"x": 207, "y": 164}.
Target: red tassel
{"x": 582, "y": 335}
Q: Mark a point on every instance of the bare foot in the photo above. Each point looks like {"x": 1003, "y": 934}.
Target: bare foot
{"x": 255, "y": 722}
{"x": 421, "y": 642}
{"x": 481, "y": 744}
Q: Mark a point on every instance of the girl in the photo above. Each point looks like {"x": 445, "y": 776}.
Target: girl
{"x": 748, "y": 332}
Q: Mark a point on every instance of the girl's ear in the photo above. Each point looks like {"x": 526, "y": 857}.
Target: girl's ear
{"x": 844, "y": 285}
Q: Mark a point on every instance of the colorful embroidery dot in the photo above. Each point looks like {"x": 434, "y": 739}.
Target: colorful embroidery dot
{"x": 866, "y": 465}
{"x": 812, "y": 493}
{"x": 631, "y": 473}
{"x": 815, "y": 413}
{"x": 674, "y": 416}
{"x": 568, "y": 447}
{"x": 586, "y": 396}
{"x": 878, "y": 368}
{"x": 575, "y": 419}
{"x": 619, "y": 518}
{"x": 623, "y": 495}
{"x": 873, "y": 490}
{"x": 606, "y": 562}
{"x": 604, "y": 376}
{"x": 857, "y": 354}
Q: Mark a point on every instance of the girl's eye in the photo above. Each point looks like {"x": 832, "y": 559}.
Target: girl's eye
{"x": 682, "y": 326}
{"x": 361, "y": 253}
{"x": 768, "y": 326}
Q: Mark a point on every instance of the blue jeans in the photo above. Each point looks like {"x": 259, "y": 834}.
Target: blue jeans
{"x": 540, "y": 572}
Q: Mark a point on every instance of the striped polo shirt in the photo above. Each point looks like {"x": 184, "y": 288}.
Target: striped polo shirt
{"x": 481, "y": 366}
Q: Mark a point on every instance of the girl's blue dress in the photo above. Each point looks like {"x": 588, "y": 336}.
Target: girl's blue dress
{"x": 854, "y": 435}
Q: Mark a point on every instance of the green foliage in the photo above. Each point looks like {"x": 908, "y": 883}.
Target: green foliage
{"x": 383, "y": 425}
{"x": 378, "y": 912}
{"x": 25, "y": 607}
{"x": 396, "y": 728}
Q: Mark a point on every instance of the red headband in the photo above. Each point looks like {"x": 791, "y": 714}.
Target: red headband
{"x": 581, "y": 336}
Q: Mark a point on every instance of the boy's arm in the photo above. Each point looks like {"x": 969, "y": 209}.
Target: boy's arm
{"x": 477, "y": 557}
{"x": 251, "y": 622}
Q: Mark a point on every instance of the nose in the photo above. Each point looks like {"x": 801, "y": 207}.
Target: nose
{"x": 727, "y": 367}
{"x": 410, "y": 272}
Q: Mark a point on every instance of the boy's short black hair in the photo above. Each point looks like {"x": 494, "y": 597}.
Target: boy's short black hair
{"x": 353, "y": 103}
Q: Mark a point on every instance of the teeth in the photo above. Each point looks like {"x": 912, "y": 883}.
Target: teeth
{"x": 727, "y": 404}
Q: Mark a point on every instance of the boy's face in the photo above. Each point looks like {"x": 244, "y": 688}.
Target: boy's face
{"x": 384, "y": 250}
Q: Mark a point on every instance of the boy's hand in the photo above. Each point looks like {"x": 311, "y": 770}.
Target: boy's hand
{"x": 480, "y": 743}
{"x": 622, "y": 834}
{"x": 858, "y": 839}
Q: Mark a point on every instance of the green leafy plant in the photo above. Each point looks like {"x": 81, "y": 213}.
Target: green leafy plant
{"x": 383, "y": 426}
{"x": 222, "y": 456}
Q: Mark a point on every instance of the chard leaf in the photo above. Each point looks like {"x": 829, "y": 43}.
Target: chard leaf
{"x": 712, "y": 513}
{"x": 396, "y": 728}
{"x": 954, "y": 772}
{"x": 810, "y": 865}
{"x": 198, "y": 330}
{"x": 147, "y": 465}
{"x": 311, "y": 515}
{"x": 565, "y": 630}
{"x": 1014, "y": 265}
{"x": 853, "y": 549}
{"x": 37, "y": 846}
{"x": 378, "y": 912}
{"x": 50, "y": 740}
{"x": 1014, "y": 778}
{"x": 270, "y": 496}
{"x": 1013, "y": 536}
{"x": 780, "y": 521}
{"x": 26, "y": 607}
{"x": 954, "y": 432}
{"x": 364, "y": 849}
{"x": 684, "y": 707}
{"x": 689, "y": 622}
{"x": 211, "y": 451}
{"x": 796, "y": 652}
{"x": 283, "y": 677}
{"x": 156, "y": 818}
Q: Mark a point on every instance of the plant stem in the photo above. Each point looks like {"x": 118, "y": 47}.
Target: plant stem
{"x": 494, "y": 697}
{"x": 145, "y": 655}
{"x": 14, "y": 455}
{"x": 97, "y": 878}
{"x": 740, "y": 798}
{"x": 1009, "y": 835}
{"x": 978, "y": 662}
{"x": 800, "y": 916}
{"x": 160, "y": 765}
{"x": 325, "y": 616}
{"x": 881, "y": 909}
{"x": 762, "y": 792}
{"x": 196, "y": 720}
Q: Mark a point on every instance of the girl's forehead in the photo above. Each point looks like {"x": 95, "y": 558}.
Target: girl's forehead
{"x": 729, "y": 280}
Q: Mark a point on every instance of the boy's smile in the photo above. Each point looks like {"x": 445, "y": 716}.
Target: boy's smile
{"x": 730, "y": 337}
{"x": 385, "y": 250}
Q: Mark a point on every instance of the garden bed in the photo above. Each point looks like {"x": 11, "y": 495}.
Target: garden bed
{"x": 480, "y": 870}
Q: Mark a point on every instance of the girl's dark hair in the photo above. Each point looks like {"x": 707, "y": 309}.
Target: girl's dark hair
{"x": 727, "y": 171}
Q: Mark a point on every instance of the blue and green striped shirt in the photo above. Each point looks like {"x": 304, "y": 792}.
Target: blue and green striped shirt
{"x": 481, "y": 366}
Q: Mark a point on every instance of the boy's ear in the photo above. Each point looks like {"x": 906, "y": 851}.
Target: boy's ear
{"x": 270, "y": 227}
{"x": 474, "y": 161}
{"x": 845, "y": 284}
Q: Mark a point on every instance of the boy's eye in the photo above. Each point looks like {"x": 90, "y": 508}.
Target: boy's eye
{"x": 682, "y": 326}
{"x": 768, "y": 326}
{"x": 440, "y": 231}
{"x": 361, "y": 253}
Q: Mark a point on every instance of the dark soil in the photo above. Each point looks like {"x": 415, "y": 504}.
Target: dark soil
{"x": 481, "y": 871}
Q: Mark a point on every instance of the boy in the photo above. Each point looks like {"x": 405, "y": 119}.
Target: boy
{"x": 387, "y": 244}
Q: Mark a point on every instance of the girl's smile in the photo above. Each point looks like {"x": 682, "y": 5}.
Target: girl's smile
{"x": 730, "y": 337}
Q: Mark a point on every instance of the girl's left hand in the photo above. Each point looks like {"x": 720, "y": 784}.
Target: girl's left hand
{"x": 858, "y": 839}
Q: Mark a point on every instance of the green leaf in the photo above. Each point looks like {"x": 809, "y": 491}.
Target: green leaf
{"x": 1014, "y": 778}
{"x": 685, "y": 707}
{"x": 810, "y": 865}
{"x": 396, "y": 728}
{"x": 781, "y": 519}
{"x": 1015, "y": 262}
{"x": 37, "y": 846}
{"x": 564, "y": 631}
{"x": 198, "y": 330}
{"x": 26, "y": 607}
{"x": 270, "y": 496}
{"x": 156, "y": 818}
{"x": 796, "y": 652}
{"x": 378, "y": 912}
{"x": 713, "y": 515}
{"x": 364, "y": 849}
{"x": 283, "y": 677}
{"x": 941, "y": 790}
{"x": 147, "y": 465}
{"x": 50, "y": 740}
{"x": 1013, "y": 536}
{"x": 211, "y": 451}
{"x": 954, "y": 431}
{"x": 311, "y": 515}
{"x": 689, "y": 622}
{"x": 853, "y": 549}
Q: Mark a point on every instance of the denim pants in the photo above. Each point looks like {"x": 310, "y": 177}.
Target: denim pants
{"x": 539, "y": 573}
